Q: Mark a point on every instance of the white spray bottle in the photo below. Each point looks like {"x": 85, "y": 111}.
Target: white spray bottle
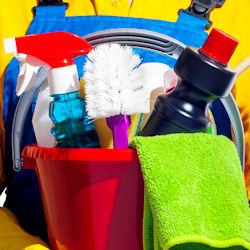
{"x": 41, "y": 121}
{"x": 56, "y": 51}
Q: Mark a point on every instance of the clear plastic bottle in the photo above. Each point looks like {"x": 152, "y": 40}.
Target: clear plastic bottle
{"x": 72, "y": 128}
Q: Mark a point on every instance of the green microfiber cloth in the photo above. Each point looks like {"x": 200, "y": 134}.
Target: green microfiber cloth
{"x": 194, "y": 193}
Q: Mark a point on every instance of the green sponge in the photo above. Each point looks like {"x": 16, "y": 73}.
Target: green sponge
{"x": 194, "y": 193}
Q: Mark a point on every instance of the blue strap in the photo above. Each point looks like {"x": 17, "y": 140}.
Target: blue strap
{"x": 50, "y": 11}
{"x": 185, "y": 19}
{"x": 188, "y": 28}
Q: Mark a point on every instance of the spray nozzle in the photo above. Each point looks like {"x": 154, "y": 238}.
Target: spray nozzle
{"x": 55, "y": 50}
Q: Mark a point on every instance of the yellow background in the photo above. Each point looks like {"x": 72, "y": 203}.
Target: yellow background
{"x": 233, "y": 18}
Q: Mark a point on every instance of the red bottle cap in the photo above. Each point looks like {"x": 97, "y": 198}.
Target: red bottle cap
{"x": 219, "y": 46}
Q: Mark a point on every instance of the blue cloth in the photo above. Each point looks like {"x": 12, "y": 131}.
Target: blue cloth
{"x": 23, "y": 194}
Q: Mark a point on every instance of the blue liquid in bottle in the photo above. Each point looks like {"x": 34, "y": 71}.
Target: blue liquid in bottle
{"x": 72, "y": 128}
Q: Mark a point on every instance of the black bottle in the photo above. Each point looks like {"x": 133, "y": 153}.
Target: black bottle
{"x": 204, "y": 76}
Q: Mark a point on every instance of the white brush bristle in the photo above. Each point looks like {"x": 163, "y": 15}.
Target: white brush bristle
{"x": 113, "y": 83}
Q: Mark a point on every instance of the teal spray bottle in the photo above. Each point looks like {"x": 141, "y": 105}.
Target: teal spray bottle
{"x": 55, "y": 51}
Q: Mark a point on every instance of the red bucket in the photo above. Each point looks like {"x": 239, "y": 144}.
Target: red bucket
{"x": 93, "y": 198}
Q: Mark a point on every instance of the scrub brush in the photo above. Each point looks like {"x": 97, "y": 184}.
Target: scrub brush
{"x": 114, "y": 88}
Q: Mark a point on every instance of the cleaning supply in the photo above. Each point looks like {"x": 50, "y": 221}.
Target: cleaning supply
{"x": 153, "y": 76}
{"x": 195, "y": 193}
{"x": 137, "y": 38}
{"x": 56, "y": 50}
{"x": 114, "y": 88}
{"x": 204, "y": 76}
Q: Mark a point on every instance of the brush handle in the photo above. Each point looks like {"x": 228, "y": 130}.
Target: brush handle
{"x": 119, "y": 124}
{"x": 240, "y": 68}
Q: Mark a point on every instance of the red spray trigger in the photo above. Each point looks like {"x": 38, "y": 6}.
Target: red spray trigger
{"x": 57, "y": 49}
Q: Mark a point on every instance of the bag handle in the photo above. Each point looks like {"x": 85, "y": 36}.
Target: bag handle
{"x": 136, "y": 38}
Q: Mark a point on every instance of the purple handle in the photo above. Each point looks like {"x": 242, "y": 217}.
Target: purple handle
{"x": 119, "y": 124}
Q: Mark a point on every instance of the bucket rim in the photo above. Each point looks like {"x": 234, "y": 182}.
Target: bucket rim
{"x": 80, "y": 154}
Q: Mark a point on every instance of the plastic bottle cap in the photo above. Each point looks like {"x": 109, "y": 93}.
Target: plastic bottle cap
{"x": 219, "y": 46}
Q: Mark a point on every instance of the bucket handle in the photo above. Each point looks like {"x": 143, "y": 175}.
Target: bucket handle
{"x": 136, "y": 38}
{"x": 20, "y": 114}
